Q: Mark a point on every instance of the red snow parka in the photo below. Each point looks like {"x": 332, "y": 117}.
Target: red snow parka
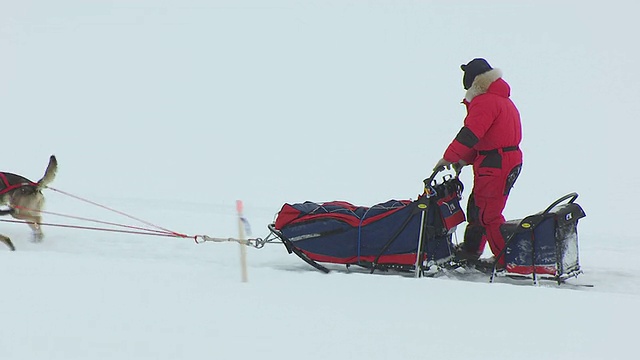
{"x": 492, "y": 121}
{"x": 489, "y": 140}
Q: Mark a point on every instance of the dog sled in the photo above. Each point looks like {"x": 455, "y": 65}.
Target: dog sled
{"x": 397, "y": 234}
{"x": 417, "y": 235}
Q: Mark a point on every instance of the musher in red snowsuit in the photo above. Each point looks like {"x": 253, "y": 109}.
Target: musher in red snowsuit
{"x": 489, "y": 141}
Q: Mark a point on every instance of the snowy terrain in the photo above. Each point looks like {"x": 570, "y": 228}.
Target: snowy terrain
{"x": 172, "y": 110}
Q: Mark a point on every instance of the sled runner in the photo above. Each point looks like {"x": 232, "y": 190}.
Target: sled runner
{"x": 398, "y": 234}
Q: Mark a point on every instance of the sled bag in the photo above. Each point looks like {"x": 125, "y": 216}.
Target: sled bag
{"x": 544, "y": 243}
{"x": 386, "y": 233}
{"x": 451, "y": 212}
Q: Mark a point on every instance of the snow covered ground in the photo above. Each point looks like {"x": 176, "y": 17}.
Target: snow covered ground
{"x": 103, "y": 296}
{"x": 172, "y": 110}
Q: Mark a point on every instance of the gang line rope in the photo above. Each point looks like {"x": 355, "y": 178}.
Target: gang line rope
{"x": 155, "y": 230}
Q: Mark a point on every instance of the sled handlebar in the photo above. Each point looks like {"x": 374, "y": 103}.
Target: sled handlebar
{"x": 571, "y": 197}
{"x": 429, "y": 180}
{"x": 435, "y": 172}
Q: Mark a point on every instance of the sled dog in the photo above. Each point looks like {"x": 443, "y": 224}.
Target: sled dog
{"x": 24, "y": 200}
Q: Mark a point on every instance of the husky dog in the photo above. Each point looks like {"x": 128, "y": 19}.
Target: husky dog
{"x": 24, "y": 199}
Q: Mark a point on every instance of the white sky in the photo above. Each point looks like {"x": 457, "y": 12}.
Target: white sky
{"x": 171, "y": 110}
{"x": 286, "y": 101}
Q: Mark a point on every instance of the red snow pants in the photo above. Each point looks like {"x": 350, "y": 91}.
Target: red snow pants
{"x": 494, "y": 173}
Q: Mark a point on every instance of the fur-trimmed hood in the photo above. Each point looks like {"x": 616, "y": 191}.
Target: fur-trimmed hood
{"x": 482, "y": 83}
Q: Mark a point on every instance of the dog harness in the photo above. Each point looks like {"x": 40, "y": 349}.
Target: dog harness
{"x": 9, "y": 181}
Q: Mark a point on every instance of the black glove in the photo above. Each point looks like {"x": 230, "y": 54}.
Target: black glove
{"x": 441, "y": 165}
{"x": 459, "y": 165}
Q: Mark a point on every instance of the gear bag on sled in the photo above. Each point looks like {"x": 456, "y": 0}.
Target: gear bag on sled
{"x": 402, "y": 235}
{"x": 545, "y": 243}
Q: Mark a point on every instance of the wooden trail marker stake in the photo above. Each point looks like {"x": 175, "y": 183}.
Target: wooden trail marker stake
{"x": 243, "y": 246}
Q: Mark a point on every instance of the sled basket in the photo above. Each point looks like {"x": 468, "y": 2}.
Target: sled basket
{"x": 547, "y": 242}
{"x": 384, "y": 236}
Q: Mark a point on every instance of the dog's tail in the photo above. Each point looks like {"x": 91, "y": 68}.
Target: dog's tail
{"x": 49, "y": 174}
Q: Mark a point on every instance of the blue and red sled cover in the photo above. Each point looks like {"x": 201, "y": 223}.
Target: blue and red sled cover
{"x": 387, "y": 233}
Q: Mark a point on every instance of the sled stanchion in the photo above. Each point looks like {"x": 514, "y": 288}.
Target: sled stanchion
{"x": 418, "y": 266}
{"x": 533, "y": 259}
{"x": 429, "y": 192}
{"x": 241, "y": 236}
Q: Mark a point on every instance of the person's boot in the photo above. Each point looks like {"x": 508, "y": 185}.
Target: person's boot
{"x": 462, "y": 254}
{"x": 471, "y": 248}
{"x": 486, "y": 265}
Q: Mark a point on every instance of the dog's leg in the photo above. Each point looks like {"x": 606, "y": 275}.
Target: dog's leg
{"x": 7, "y": 242}
{"x": 34, "y": 223}
{"x": 36, "y": 234}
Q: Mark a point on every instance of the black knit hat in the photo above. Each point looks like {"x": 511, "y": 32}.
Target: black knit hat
{"x": 474, "y": 68}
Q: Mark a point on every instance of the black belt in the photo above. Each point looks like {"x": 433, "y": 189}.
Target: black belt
{"x": 495, "y": 151}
